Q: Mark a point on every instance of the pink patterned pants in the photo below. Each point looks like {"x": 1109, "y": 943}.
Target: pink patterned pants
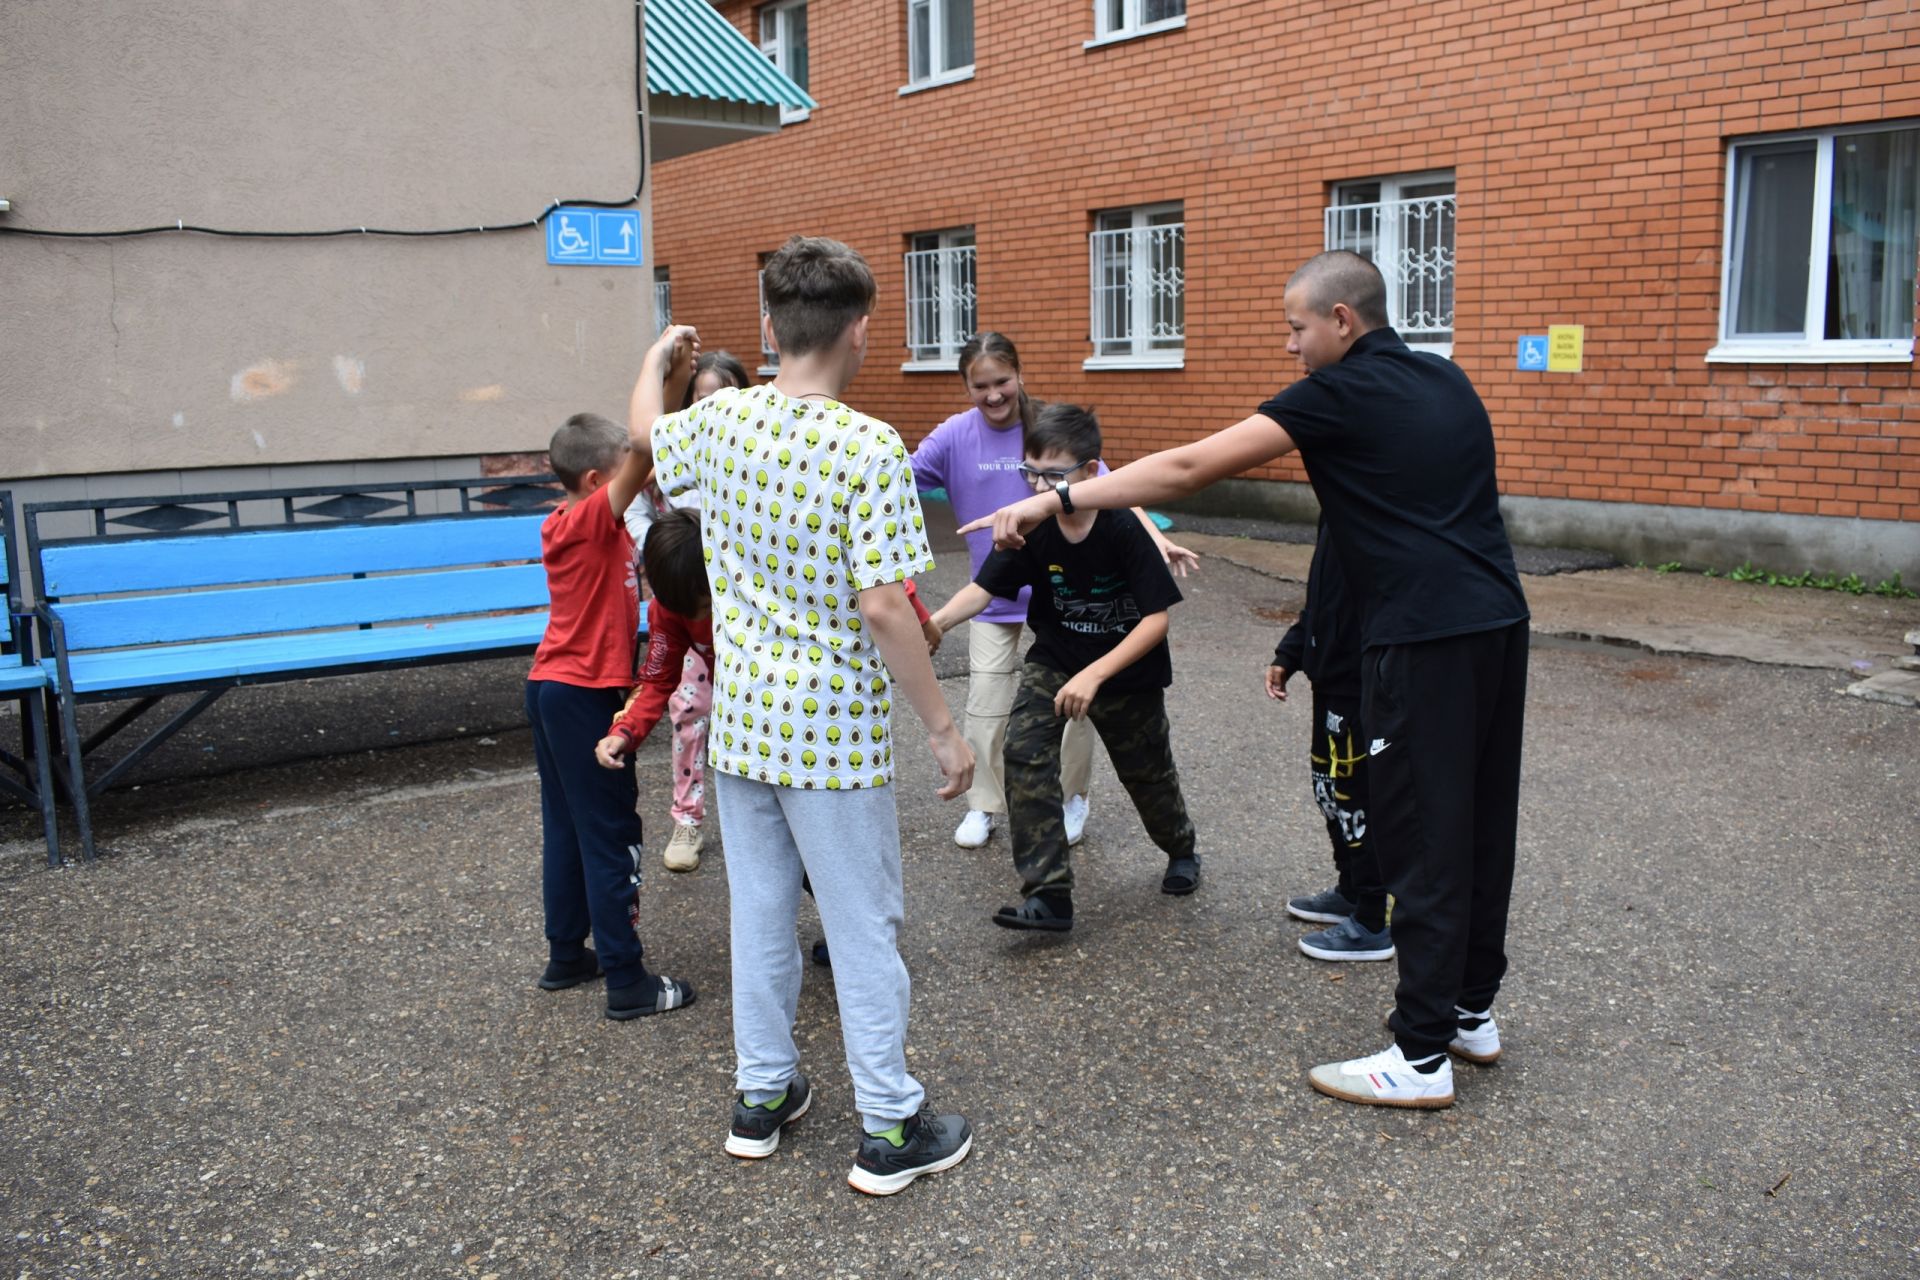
{"x": 687, "y": 711}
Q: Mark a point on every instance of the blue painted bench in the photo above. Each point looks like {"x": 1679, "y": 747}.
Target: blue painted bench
{"x": 26, "y": 777}
{"x": 132, "y": 617}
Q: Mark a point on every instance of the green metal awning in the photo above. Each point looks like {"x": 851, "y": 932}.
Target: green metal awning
{"x": 694, "y": 53}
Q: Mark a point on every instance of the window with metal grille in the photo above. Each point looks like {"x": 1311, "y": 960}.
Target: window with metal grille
{"x": 769, "y": 358}
{"x": 1118, "y": 19}
{"x": 939, "y": 42}
{"x": 1137, "y": 265}
{"x": 941, "y": 307}
{"x": 1822, "y": 238}
{"x": 1404, "y": 226}
{"x": 783, "y": 38}
{"x": 662, "y": 301}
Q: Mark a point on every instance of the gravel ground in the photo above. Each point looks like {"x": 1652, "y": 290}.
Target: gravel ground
{"x": 287, "y": 1025}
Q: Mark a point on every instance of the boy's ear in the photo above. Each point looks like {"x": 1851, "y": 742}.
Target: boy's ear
{"x": 859, "y": 332}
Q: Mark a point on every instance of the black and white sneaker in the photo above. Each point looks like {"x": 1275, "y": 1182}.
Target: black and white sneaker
{"x": 1329, "y": 906}
{"x": 756, "y": 1130}
{"x": 929, "y": 1143}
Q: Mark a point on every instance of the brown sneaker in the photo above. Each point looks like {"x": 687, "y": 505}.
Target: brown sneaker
{"x": 683, "y": 851}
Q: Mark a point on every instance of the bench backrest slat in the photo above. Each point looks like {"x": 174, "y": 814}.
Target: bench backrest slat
{"x": 301, "y": 606}
{"x": 270, "y": 555}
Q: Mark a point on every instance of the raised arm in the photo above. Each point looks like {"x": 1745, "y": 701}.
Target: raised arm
{"x": 664, "y": 371}
{"x": 1158, "y": 477}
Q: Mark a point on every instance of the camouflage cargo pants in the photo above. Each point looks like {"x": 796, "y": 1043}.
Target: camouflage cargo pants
{"x": 1139, "y": 743}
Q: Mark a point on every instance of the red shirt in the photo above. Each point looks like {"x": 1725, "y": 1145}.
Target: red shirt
{"x": 669, "y": 636}
{"x": 595, "y": 597}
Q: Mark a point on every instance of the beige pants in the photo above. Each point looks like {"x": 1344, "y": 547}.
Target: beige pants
{"x": 993, "y": 659}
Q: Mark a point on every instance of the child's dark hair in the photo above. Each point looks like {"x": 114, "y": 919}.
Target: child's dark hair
{"x": 723, "y": 363}
{"x": 998, "y": 346}
{"x": 815, "y": 288}
{"x": 585, "y": 442}
{"x": 1064, "y": 428}
{"x": 675, "y": 564}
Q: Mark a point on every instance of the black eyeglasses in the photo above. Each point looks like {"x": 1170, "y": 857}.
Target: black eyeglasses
{"x": 1036, "y": 474}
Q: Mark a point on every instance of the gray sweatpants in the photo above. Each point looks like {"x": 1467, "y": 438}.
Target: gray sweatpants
{"x": 848, "y": 844}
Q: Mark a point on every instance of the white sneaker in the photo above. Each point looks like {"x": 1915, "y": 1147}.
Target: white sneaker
{"x": 683, "y": 851}
{"x": 1076, "y": 815}
{"x": 1385, "y": 1080}
{"x": 973, "y": 829}
{"x": 1481, "y": 1044}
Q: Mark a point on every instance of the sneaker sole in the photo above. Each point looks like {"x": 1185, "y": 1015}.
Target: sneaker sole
{"x": 1315, "y": 917}
{"x": 1369, "y": 1100}
{"x": 874, "y": 1184}
{"x": 676, "y": 864}
{"x": 977, "y": 844}
{"x": 761, "y": 1148}
{"x": 1467, "y": 1055}
{"x": 1322, "y": 953}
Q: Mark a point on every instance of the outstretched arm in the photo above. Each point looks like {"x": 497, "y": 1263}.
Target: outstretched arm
{"x": 966, "y": 603}
{"x": 1158, "y": 477}
{"x": 663, "y": 381}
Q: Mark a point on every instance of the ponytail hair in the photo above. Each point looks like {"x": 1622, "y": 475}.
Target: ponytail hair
{"x": 999, "y": 346}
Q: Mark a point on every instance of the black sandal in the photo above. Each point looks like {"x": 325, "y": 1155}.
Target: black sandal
{"x": 1037, "y": 912}
{"x": 1183, "y": 876}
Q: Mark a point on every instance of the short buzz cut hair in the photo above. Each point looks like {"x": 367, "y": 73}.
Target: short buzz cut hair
{"x": 1340, "y": 275}
{"x": 675, "y": 563}
{"x": 585, "y": 442}
{"x": 1064, "y": 428}
{"x": 815, "y": 288}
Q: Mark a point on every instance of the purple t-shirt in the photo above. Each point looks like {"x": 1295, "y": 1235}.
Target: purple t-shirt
{"x": 978, "y": 465}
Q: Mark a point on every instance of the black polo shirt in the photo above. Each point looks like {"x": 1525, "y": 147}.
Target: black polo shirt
{"x": 1400, "y": 453}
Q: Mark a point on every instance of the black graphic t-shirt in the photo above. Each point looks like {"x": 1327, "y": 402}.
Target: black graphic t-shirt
{"x": 1088, "y": 595}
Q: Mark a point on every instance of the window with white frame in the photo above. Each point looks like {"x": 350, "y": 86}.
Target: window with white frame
{"x": 1404, "y": 226}
{"x": 783, "y": 38}
{"x": 1121, "y": 19}
{"x": 939, "y": 42}
{"x": 941, "y": 307}
{"x": 662, "y": 301}
{"x": 769, "y": 357}
{"x": 1137, "y": 265}
{"x": 1822, "y": 234}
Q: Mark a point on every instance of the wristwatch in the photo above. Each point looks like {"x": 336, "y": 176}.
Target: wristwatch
{"x": 1066, "y": 503}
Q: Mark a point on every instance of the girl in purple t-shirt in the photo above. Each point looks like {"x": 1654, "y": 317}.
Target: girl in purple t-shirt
{"x": 976, "y": 456}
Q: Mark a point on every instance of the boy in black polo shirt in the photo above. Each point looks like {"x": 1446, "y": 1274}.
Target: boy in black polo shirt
{"x": 1400, "y": 452}
{"x": 1099, "y": 616}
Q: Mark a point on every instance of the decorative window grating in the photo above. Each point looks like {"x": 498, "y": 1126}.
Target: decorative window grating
{"x": 942, "y": 307}
{"x": 1404, "y": 226}
{"x": 1138, "y": 271}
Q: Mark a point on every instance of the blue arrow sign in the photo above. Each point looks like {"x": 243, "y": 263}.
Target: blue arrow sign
{"x": 582, "y": 237}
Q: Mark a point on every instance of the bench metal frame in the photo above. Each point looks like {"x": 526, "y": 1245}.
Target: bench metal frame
{"x": 27, "y": 777}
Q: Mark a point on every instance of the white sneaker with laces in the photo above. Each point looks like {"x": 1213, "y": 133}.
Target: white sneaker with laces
{"x": 1076, "y": 815}
{"x": 1385, "y": 1080}
{"x": 683, "y": 851}
{"x": 973, "y": 829}
{"x": 1481, "y": 1044}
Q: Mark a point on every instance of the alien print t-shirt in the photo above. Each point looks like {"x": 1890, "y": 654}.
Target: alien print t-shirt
{"x": 804, "y": 503}
{"x": 1088, "y": 595}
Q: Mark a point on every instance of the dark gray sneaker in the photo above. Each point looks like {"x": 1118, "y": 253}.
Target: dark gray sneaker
{"x": 931, "y": 1143}
{"x": 756, "y": 1130}
{"x": 1328, "y": 906}
{"x": 1349, "y": 940}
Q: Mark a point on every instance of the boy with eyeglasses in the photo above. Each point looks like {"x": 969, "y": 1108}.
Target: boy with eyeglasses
{"x": 1099, "y": 617}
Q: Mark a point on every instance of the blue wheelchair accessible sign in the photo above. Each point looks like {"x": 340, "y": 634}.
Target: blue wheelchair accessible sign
{"x": 1533, "y": 352}
{"x": 579, "y": 237}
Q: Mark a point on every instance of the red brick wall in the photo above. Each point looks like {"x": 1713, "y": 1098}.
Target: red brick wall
{"x": 1588, "y": 143}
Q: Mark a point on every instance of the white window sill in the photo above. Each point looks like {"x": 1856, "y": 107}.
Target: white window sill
{"x": 934, "y": 82}
{"x": 1158, "y": 360}
{"x": 1844, "y": 351}
{"x": 798, "y": 115}
{"x": 948, "y": 365}
{"x": 767, "y": 370}
{"x": 1134, "y": 33}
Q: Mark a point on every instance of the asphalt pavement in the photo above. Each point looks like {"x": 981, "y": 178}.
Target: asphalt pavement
{"x": 287, "y": 1024}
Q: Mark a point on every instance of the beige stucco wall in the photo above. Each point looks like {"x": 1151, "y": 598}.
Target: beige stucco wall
{"x": 185, "y": 351}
